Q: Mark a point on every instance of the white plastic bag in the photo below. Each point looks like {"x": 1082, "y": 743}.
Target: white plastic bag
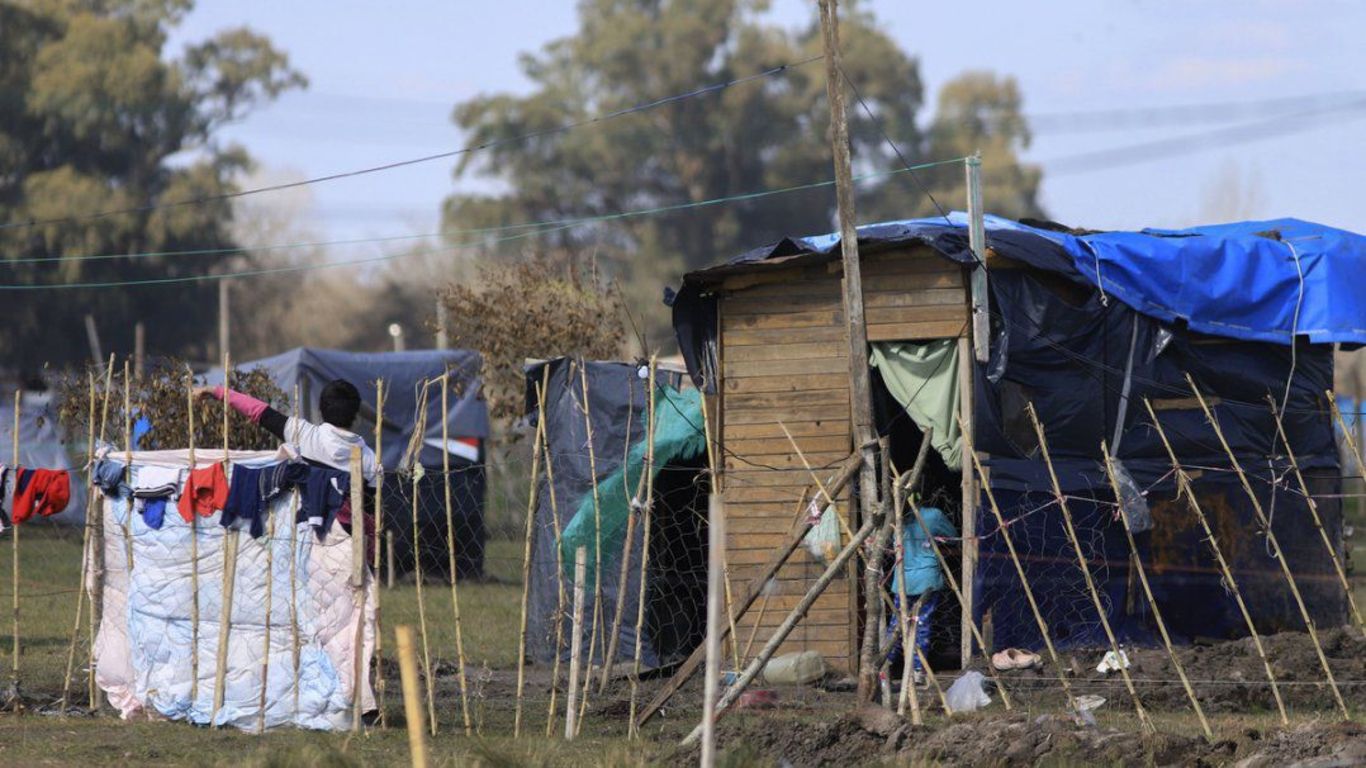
{"x": 967, "y": 694}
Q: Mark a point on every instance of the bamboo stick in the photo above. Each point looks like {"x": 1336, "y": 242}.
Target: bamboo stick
{"x": 725, "y": 557}
{"x": 560, "y": 597}
{"x": 646, "y": 502}
{"x": 389, "y": 554}
{"x": 270, "y": 597}
{"x": 1019, "y": 567}
{"x": 412, "y": 697}
{"x": 16, "y": 699}
{"x": 597, "y": 541}
{"x": 1275, "y": 546}
{"x": 128, "y": 462}
{"x": 96, "y": 585}
{"x": 231, "y": 542}
{"x": 422, "y": 610}
{"x": 526, "y": 559}
{"x": 194, "y": 548}
{"x": 450, "y": 550}
{"x": 575, "y": 645}
{"x": 716, "y": 535}
{"x": 908, "y": 693}
{"x": 636, "y": 503}
{"x": 358, "y": 584}
{"x": 1086, "y": 570}
{"x": 1148, "y": 592}
{"x": 1183, "y": 488}
{"x": 91, "y": 504}
{"x": 1314, "y": 514}
{"x": 294, "y": 577}
{"x": 379, "y": 537}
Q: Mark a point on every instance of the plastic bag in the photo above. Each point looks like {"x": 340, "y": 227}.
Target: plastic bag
{"x": 967, "y": 694}
{"x": 1132, "y": 504}
{"x": 823, "y": 540}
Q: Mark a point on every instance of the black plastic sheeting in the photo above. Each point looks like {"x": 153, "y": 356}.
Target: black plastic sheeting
{"x": 467, "y": 516}
{"x": 676, "y": 578}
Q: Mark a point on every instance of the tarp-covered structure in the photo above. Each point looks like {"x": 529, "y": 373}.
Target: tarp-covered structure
{"x": 1086, "y": 326}
{"x": 592, "y": 497}
{"x": 467, "y": 426}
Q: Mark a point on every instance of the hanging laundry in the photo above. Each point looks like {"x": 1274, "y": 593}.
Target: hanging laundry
{"x": 324, "y": 493}
{"x": 153, "y": 487}
{"x": 40, "y": 491}
{"x": 250, "y": 493}
{"x": 206, "y": 491}
{"x": 108, "y": 476}
{"x": 4, "y": 483}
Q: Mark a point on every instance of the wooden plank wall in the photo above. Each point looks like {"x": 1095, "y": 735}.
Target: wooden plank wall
{"x": 784, "y": 360}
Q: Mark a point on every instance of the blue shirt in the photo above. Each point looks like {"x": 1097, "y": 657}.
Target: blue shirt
{"x": 919, "y": 566}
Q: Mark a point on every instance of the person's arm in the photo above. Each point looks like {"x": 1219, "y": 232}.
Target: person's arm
{"x": 258, "y": 412}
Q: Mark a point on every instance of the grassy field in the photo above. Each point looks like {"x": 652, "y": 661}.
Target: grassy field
{"x": 49, "y": 574}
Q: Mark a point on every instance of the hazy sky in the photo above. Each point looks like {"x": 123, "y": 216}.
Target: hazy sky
{"x": 384, "y": 77}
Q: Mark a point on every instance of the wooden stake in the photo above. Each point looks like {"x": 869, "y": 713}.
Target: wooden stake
{"x": 194, "y": 548}
{"x": 14, "y": 561}
{"x": 716, "y": 535}
{"x": 688, "y": 668}
{"x": 389, "y": 553}
{"x": 560, "y": 598}
{"x": 860, "y": 388}
{"x": 295, "y": 643}
{"x": 128, "y": 461}
{"x": 422, "y": 610}
{"x": 450, "y": 551}
{"x": 357, "y": 584}
{"x": 575, "y": 644}
{"x": 1183, "y": 488}
{"x": 231, "y": 541}
{"x": 1152, "y": 601}
{"x": 1275, "y": 546}
{"x": 969, "y": 496}
{"x": 633, "y": 729}
{"x": 92, "y": 503}
{"x": 270, "y": 597}
{"x": 526, "y": 559}
{"x": 1086, "y": 570}
{"x": 96, "y": 528}
{"x": 1314, "y": 514}
{"x": 381, "y": 535}
{"x": 1019, "y": 568}
{"x": 412, "y": 696}
{"x": 908, "y": 692}
{"x": 597, "y": 541}
{"x": 790, "y": 623}
{"x": 716, "y": 480}
{"x": 626, "y": 543}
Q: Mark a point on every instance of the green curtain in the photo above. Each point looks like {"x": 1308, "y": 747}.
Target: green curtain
{"x": 923, "y": 378}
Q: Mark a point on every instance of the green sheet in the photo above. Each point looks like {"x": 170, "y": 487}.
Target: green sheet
{"x": 923, "y": 378}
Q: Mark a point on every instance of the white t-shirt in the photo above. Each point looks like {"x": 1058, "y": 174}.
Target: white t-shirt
{"x": 329, "y": 445}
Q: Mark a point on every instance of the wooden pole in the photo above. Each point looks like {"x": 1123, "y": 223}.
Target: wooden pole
{"x": 1086, "y": 570}
{"x": 96, "y": 528}
{"x": 231, "y": 541}
{"x": 295, "y": 644}
{"x": 379, "y": 537}
{"x": 627, "y": 541}
{"x": 1183, "y": 488}
{"x": 969, "y": 500}
{"x": 412, "y": 696}
{"x": 526, "y": 558}
{"x": 977, "y": 241}
{"x": 422, "y": 608}
{"x": 139, "y": 348}
{"x": 597, "y": 541}
{"x": 357, "y": 584}
{"x": 1019, "y": 568}
{"x": 92, "y": 503}
{"x": 450, "y": 550}
{"x": 1314, "y": 514}
{"x": 194, "y": 549}
{"x": 908, "y": 692}
{"x": 1148, "y": 591}
{"x": 1275, "y": 546}
{"x": 716, "y": 536}
{"x": 389, "y": 554}
{"x": 789, "y": 623}
{"x": 560, "y": 597}
{"x": 14, "y": 561}
{"x": 128, "y": 459}
{"x": 715, "y": 479}
{"x": 689, "y": 667}
{"x": 575, "y": 644}
{"x": 633, "y": 728}
{"x": 860, "y": 386}
{"x": 270, "y": 598}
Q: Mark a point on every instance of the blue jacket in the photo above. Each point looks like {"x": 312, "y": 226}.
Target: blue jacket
{"x": 920, "y": 568}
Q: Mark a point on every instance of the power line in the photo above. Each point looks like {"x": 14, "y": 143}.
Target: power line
{"x": 1148, "y": 151}
{"x": 536, "y": 228}
{"x": 1129, "y": 118}
{"x": 641, "y": 107}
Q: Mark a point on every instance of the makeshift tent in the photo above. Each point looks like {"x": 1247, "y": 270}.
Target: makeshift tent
{"x": 467, "y": 426}
{"x": 584, "y": 504}
{"x": 41, "y": 446}
{"x": 145, "y": 656}
{"x": 1084, "y": 325}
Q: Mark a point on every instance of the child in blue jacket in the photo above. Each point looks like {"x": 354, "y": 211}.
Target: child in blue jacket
{"x": 922, "y": 576}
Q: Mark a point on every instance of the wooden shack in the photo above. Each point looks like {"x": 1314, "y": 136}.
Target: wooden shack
{"x": 784, "y": 363}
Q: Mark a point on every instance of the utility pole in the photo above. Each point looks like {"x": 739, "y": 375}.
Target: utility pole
{"x": 139, "y": 348}
{"x": 442, "y": 337}
{"x": 223, "y": 312}
{"x": 860, "y": 390}
{"x": 92, "y": 335}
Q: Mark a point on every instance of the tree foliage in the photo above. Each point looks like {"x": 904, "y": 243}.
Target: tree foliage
{"x": 767, "y": 133}
{"x": 95, "y": 117}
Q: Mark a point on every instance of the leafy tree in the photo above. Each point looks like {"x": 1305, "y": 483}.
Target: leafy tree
{"x": 763, "y": 134}
{"x": 94, "y": 117}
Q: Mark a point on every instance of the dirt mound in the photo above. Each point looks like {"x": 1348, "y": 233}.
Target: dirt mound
{"x": 1313, "y": 745}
